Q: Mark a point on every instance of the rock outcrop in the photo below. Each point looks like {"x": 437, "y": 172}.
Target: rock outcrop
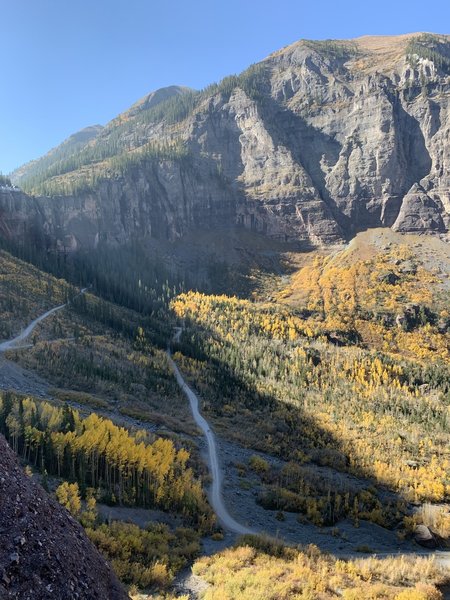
{"x": 419, "y": 213}
{"x": 315, "y": 143}
{"x": 44, "y": 552}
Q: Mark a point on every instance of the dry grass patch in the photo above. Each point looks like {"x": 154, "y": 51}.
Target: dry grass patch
{"x": 262, "y": 569}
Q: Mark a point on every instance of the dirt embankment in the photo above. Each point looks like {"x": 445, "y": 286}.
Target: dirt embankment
{"x": 44, "y": 552}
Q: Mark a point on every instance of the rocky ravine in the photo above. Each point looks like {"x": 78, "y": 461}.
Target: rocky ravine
{"x": 44, "y": 552}
{"x": 315, "y": 143}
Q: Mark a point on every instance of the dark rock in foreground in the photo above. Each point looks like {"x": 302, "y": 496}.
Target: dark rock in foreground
{"x": 44, "y": 552}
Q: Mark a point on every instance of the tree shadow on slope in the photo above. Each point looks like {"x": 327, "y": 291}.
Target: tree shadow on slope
{"x": 317, "y": 480}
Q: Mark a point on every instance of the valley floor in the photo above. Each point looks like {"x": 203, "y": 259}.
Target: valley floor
{"x": 240, "y": 491}
{"x": 241, "y": 487}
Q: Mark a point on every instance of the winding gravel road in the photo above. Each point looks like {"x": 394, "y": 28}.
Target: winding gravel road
{"x": 216, "y": 496}
{"x": 14, "y": 343}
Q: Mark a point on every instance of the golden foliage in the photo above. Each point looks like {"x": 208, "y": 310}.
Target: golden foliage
{"x": 128, "y": 468}
{"x": 260, "y": 569}
{"x": 387, "y": 416}
{"x": 145, "y": 557}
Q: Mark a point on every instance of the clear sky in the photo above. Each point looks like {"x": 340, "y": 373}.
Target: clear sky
{"x": 66, "y": 64}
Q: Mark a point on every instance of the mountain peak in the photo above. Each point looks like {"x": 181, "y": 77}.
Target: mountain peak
{"x": 156, "y": 97}
{"x": 74, "y": 143}
{"x": 334, "y": 133}
{"x": 372, "y": 53}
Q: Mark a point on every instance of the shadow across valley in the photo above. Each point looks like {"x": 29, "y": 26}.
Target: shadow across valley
{"x": 310, "y": 474}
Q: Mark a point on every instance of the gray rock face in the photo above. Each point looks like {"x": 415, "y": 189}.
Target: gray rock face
{"x": 163, "y": 201}
{"x": 319, "y": 141}
{"x": 419, "y": 213}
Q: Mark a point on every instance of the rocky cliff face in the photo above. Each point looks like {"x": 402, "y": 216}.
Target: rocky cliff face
{"x": 317, "y": 142}
{"x": 164, "y": 200}
{"x": 44, "y": 552}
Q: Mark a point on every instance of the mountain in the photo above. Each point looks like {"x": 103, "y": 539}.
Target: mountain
{"x": 320, "y": 140}
{"x": 83, "y": 147}
{"x": 320, "y": 379}
{"x": 46, "y": 163}
{"x": 154, "y": 98}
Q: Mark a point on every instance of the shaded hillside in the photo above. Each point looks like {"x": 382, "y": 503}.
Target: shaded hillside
{"x": 97, "y": 353}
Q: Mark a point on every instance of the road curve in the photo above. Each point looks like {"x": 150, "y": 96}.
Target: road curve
{"x": 216, "y": 497}
{"x": 14, "y": 343}
{"x": 442, "y": 557}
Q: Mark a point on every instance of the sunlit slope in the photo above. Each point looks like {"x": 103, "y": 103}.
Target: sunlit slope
{"x": 349, "y": 368}
{"x": 263, "y": 569}
{"x": 389, "y": 291}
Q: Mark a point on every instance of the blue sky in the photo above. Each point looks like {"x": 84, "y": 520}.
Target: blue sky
{"x": 66, "y": 64}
